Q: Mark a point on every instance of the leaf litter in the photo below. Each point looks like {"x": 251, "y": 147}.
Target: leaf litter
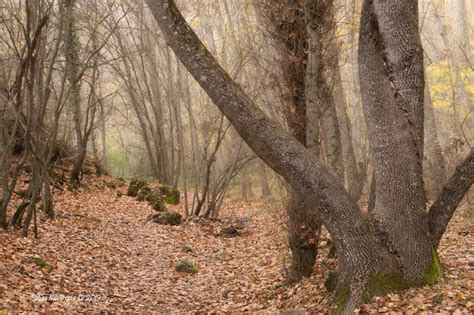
{"x": 102, "y": 245}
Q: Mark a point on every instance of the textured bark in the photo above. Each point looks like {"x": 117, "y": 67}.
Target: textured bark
{"x": 453, "y": 192}
{"x": 72, "y": 59}
{"x": 304, "y": 227}
{"x": 391, "y": 76}
{"x": 319, "y": 90}
{"x": 312, "y": 73}
{"x": 301, "y": 73}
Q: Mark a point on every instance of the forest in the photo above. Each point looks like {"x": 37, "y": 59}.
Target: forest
{"x": 237, "y": 156}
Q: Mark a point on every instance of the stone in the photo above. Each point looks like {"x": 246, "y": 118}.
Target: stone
{"x": 185, "y": 266}
{"x": 135, "y": 186}
{"x": 155, "y": 200}
{"x": 170, "y": 195}
{"x": 167, "y": 218}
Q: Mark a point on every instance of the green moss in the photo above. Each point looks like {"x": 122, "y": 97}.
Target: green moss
{"x": 142, "y": 193}
{"x": 135, "y": 186}
{"x": 38, "y": 261}
{"x": 435, "y": 271}
{"x": 331, "y": 281}
{"x": 170, "y": 195}
{"x": 167, "y": 218}
{"x": 155, "y": 200}
{"x": 341, "y": 297}
{"x": 438, "y": 298}
{"x": 340, "y": 291}
{"x": 186, "y": 267}
{"x": 381, "y": 284}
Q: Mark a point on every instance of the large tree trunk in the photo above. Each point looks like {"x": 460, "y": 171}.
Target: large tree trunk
{"x": 391, "y": 76}
{"x": 304, "y": 227}
{"x": 393, "y": 245}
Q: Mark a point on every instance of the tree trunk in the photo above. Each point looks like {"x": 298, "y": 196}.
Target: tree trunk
{"x": 304, "y": 228}
{"x": 391, "y": 76}
{"x": 266, "y": 192}
{"x": 451, "y": 195}
{"x": 246, "y": 184}
{"x": 71, "y": 51}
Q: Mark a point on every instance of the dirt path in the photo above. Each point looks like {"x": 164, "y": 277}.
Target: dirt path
{"x": 102, "y": 245}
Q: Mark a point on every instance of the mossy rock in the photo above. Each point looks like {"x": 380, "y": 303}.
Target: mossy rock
{"x": 38, "y": 261}
{"x": 135, "y": 186}
{"x": 111, "y": 185}
{"x": 170, "y": 195}
{"x": 143, "y": 192}
{"x": 155, "y": 200}
{"x": 185, "y": 266}
{"x": 167, "y": 218}
{"x": 121, "y": 182}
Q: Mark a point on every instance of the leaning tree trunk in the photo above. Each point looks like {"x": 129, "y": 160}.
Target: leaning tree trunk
{"x": 451, "y": 195}
{"x": 377, "y": 253}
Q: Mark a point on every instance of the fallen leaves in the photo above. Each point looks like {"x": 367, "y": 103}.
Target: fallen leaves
{"x": 101, "y": 244}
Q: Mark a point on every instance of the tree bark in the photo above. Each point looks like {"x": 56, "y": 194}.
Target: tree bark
{"x": 391, "y": 76}
{"x": 451, "y": 195}
{"x": 72, "y": 60}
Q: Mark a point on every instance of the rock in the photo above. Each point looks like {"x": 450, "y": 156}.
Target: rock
{"x": 187, "y": 249}
{"x": 119, "y": 194}
{"x": 185, "y": 266}
{"x": 142, "y": 193}
{"x": 38, "y": 261}
{"x": 155, "y": 200}
{"x": 170, "y": 195}
{"x": 471, "y": 263}
{"x": 111, "y": 185}
{"x": 167, "y": 218}
{"x": 247, "y": 217}
{"x": 230, "y": 231}
{"x": 135, "y": 186}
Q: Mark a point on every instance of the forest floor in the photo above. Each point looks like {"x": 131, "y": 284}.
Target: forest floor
{"x": 102, "y": 244}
